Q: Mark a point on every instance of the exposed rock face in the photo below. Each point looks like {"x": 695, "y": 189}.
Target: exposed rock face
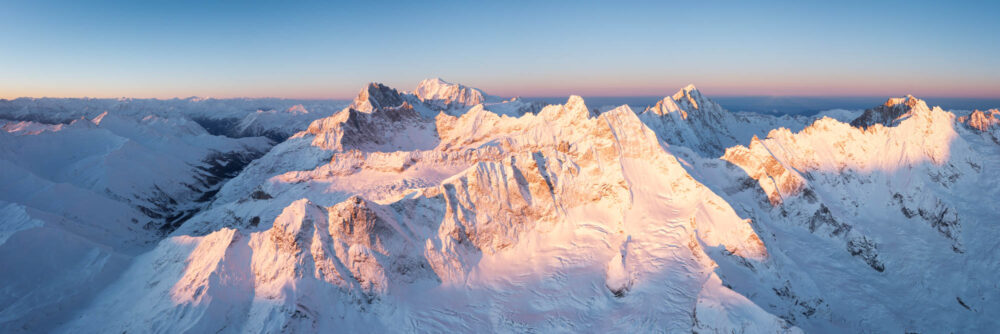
{"x": 375, "y": 97}
{"x": 352, "y": 129}
{"x": 774, "y": 178}
{"x": 893, "y": 111}
{"x": 349, "y": 245}
{"x": 378, "y": 117}
{"x": 985, "y": 122}
{"x": 981, "y": 120}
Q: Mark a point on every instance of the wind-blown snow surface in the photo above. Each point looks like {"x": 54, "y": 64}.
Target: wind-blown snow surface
{"x": 448, "y": 210}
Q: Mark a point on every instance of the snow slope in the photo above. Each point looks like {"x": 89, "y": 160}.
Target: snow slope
{"x": 875, "y": 228}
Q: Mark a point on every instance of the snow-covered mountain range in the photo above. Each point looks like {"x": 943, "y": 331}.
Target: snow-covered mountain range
{"x": 446, "y": 209}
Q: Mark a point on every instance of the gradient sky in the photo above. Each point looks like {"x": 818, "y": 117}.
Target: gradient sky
{"x": 609, "y": 48}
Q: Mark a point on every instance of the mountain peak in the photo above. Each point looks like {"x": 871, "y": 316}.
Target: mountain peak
{"x": 297, "y": 109}
{"x": 690, "y": 93}
{"x": 982, "y": 120}
{"x": 446, "y": 94}
{"x": 893, "y": 110}
{"x": 574, "y": 108}
{"x": 687, "y": 100}
{"x": 375, "y": 96}
{"x": 434, "y": 81}
{"x": 689, "y": 88}
{"x": 907, "y": 101}
{"x": 575, "y": 102}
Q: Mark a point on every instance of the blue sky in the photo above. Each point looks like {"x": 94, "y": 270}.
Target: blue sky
{"x": 329, "y": 50}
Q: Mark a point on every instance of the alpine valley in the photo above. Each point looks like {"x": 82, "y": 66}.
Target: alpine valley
{"x": 446, "y": 209}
